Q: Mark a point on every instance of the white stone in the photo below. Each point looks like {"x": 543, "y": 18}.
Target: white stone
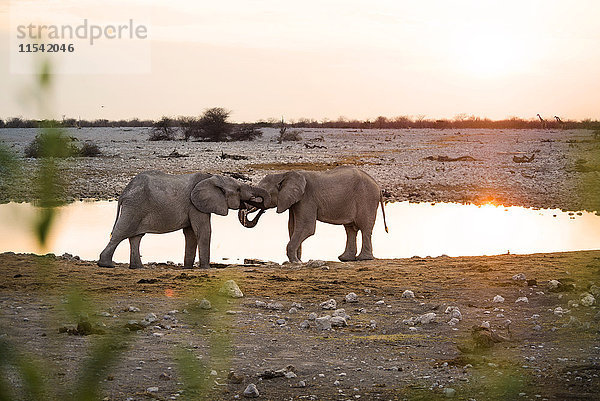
{"x": 485, "y": 325}
{"x": 427, "y": 318}
{"x": 205, "y": 304}
{"x": 453, "y": 322}
{"x": 338, "y": 321}
{"x": 251, "y": 391}
{"x": 498, "y": 299}
{"x": 152, "y": 389}
{"x": 522, "y": 299}
{"x": 520, "y": 276}
{"x": 587, "y": 299}
{"x": 323, "y": 323}
{"x": 305, "y": 325}
{"x": 408, "y": 294}
{"x": 312, "y": 316}
{"x": 449, "y": 392}
{"x": 231, "y": 289}
{"x": 351, "y": 298}
{"x": 331, "y": 304}
{"x": 553, "y": 285}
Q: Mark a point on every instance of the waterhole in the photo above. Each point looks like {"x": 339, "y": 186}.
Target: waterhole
{"x": 415, "y": 229}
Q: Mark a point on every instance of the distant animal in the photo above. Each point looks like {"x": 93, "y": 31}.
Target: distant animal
{"x": 561, "y": 125}
{"x": 344, "y": 195}
{"x": 155, "y": 202}
{"x": 543, "y": 122}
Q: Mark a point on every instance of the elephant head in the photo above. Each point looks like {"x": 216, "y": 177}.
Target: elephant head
{"x": 218, "y": 194}
{"x": 283, "y": 191}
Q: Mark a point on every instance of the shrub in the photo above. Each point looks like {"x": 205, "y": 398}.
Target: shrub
{"x": 162, "y": 130}
{"x": 245, "y": 132}
{"x": 89, "y": 149}
{"x": 289, "y": 136}
{"x": 190, "y": 127}
{"x": 51, "y": 144}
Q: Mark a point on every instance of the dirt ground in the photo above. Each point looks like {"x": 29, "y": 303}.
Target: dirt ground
{"x": 543, "y": 354}
{"x": 419, "y": 165}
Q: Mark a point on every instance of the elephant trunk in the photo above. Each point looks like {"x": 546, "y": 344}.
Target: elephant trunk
{"x": 245, "y": 221}
{"x": 264, "y": 196}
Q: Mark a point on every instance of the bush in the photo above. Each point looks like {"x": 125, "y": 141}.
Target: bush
{"x": 163, "y": 130}
{"x": 245, "y": 132}
{"x": 289, "y": 136}
{"x": 89, "y": 149}
{"x": 190, "y": 127}
{"x": 51, "y": 144}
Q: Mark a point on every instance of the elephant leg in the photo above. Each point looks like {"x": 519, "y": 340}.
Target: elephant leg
{"x": 108, "y": 252}
{"x": 366, "y": 253}
{"x": 303, "y": 228}
{"x": 291, "y": 231}
{"x": 350, "y": 251}
{"x": 191, "y": 244}
{"x": 202, "y": 230}
{"x": 135, "y": 259}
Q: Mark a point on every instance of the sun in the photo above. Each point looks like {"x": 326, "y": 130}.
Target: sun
{"x": 489, "y": 51}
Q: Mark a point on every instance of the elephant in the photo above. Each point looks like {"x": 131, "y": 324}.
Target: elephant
{"x": 155, "y": 202}
{"x": 344, "y": 195}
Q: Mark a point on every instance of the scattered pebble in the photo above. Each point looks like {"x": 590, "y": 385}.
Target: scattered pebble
{"x": 408, "y": 294}
{"x": 331, "y": 304}
{"x": 230, "y": 289}
{"x": 323, "y": 323}
{"x": 305, "y": 325}
{"x": 587, "y": 299}
{"x": 351, "y": 298}
{"x": 338, "y": 321}
{"x": 312, "y": 316}
{"x": 251, "y": 391}
{"x": 152, "y": 389}
{"x": 522, "y": 299}
{"x": 205, "y": 304}
{"x": 519, "y": 277}
{"x": 498, "y": 299}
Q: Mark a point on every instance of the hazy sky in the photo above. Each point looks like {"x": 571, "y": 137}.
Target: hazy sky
{"x": 359, "y": 59}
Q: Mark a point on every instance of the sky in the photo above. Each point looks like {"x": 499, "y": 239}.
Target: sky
{"x": 325, "y": 59}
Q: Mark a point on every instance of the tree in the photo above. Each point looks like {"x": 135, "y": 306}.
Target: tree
{"x": 214, "y": 124}
{"x": 162, "y": 130}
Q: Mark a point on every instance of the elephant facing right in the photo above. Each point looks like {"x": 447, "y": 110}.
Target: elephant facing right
{"x": 344, "y": 195}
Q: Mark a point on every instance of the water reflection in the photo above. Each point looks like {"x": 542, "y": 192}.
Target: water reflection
{"x": 423, "y": 229}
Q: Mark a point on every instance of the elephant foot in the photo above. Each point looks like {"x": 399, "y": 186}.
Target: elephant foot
{"x": 365, "y": 257}
{"x": 346, "y": 258}
{"x": 205, "y": 266}
{"x": 103, "y": 263}
{"x": 136, "y": 266}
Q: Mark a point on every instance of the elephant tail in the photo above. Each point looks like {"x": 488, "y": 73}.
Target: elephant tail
{"x": 383, "y": 212}
{"x": 117, "y": 218}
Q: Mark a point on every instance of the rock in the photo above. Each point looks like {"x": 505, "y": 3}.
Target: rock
{"x": 408, "y": 294}
{"x": 235, "y": 377}
{"x": 537, "y": 327}
{"x": 213, "y": 372}
{"x": 519, "y": 277}
{"x": 338, "y": 321}
{"x": 331, "y": 304}
{"x": 297, "y": 305}
{"x": 454, "y": 312}
{"x": 531, "y": 282}
{"x": 485, "y": 325}
{"x": 351, "y": 298}
{"x": 280, "y": 322}
{"x": 587, "y": 299}
{"x": 323, "y": 323}
{"x": 251, "y": 391}
{"x": 342, "y": 313}
{"x": 427, "y": 318}
{"x": 205, "y": 304}
{"x": 453, "y": 322}
{"x": 230, "y": 289}
{"x": 316, "y": 263}
{"x": 275, "y": 306}
{"x": 372, "y": 324}
{"x": 290, "y": 375}
{"x": 336, "y": 383}
{"x": 305, "y": 325}
{"x": 293, "y": 310}
{"x": 449, "y": 392}
{"x": 312, "y": 316}
{"x": 260, "y": 304}
{"x": 558, "y": 310}
{"x": 301, "y": 384}
{"x": 133, "y": 309}
{"x": 498, "y": 299}
{"x": 380, "y": 302}
{"x": 149, "y": 319}
{"x": 152, "y": 389}
{"x": 524, "y": 300}
{"x": 553, "y": 285}
{"x": 134, "y": 325}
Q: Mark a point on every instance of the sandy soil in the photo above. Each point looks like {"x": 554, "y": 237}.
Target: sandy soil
{"x": 397, "y": 159}
{"x": 546, "y": 355}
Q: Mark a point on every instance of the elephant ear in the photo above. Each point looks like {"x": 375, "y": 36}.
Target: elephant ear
{"x": 208, "y": 196}
{"x": 292, "y": 189}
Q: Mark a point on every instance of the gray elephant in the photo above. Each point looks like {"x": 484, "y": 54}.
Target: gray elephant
{"x": 155, "y": 202}
{"x": 344, "y": 195}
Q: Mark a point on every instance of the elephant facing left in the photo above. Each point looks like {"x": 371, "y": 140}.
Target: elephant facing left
{"x": 155, "y": 202}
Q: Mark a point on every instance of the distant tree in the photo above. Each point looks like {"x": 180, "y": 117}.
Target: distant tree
{"x": 1, "y": 123}
{"x": 190, "y": 127}
{"x": 163, "y": 130}
{"x": 245, "y": 132}
{"x": 214, "y": 124}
